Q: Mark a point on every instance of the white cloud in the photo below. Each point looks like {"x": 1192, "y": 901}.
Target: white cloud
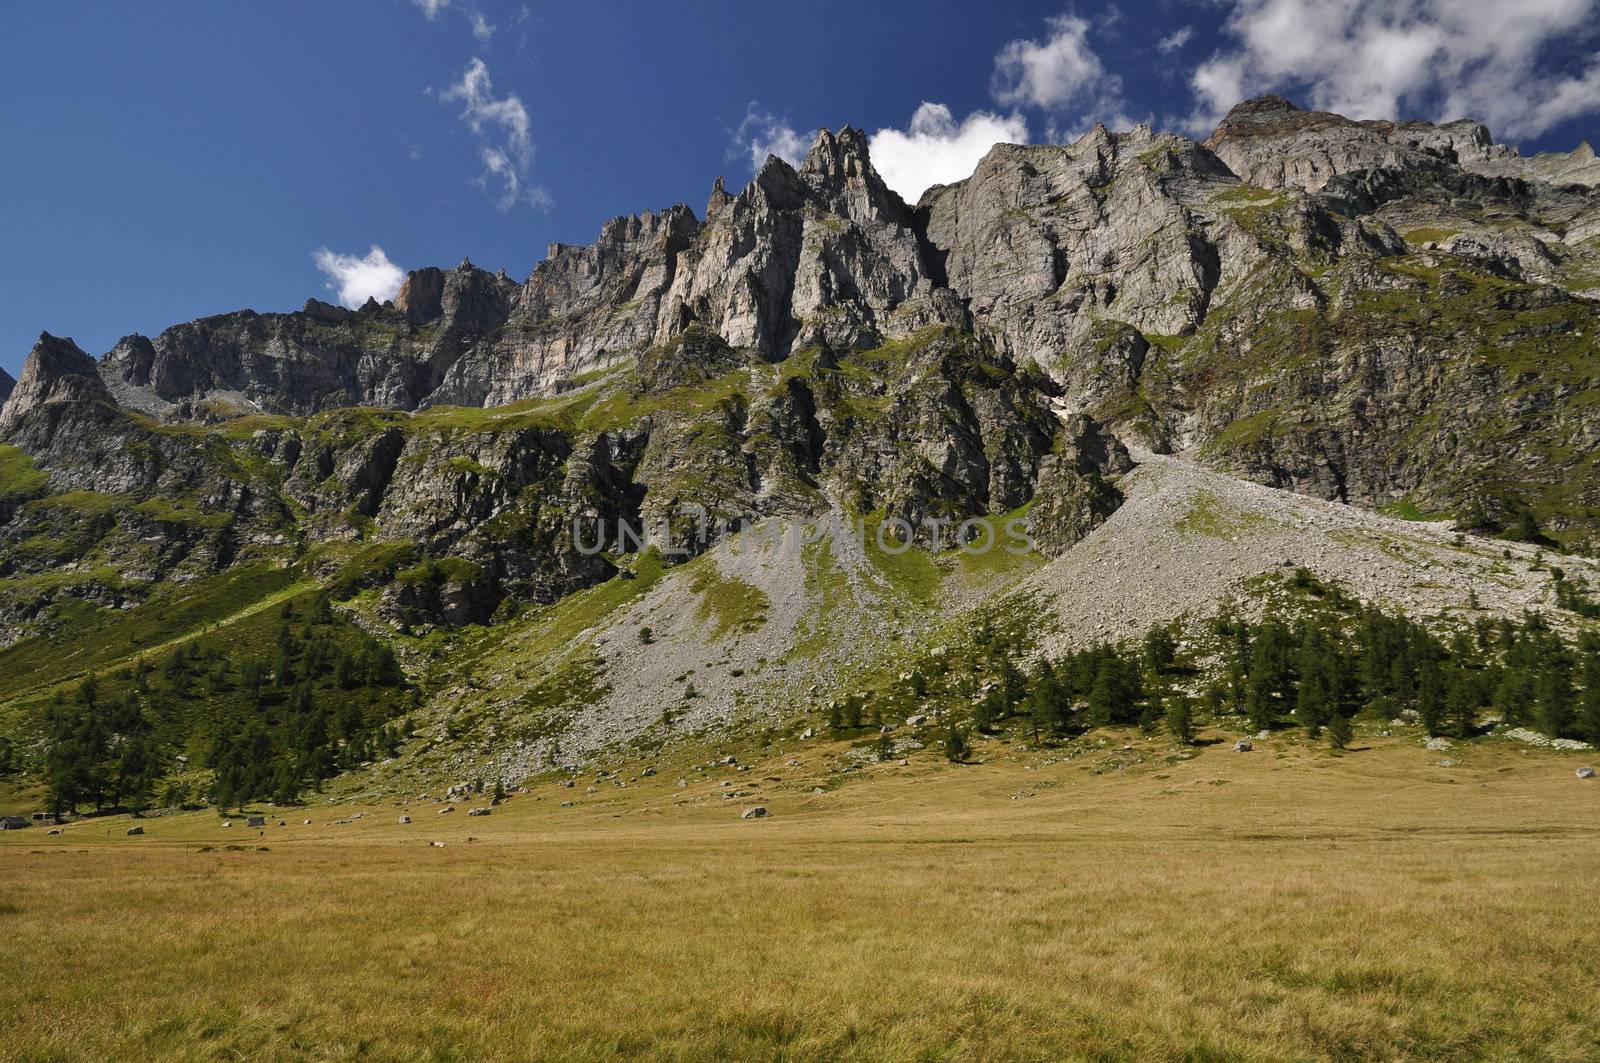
{"x": 431, "y": 8}
{"x": 1057, "y": 73}
{"x": 938, "y": 150}
{"x": 1439, "y": 59}
{"x": 505, "y": 138}
{"x": 356, "y": 278}
{"x": 482, "y": 28}
{"x": 762, "y": 133}
{"x": 1175, "y": 41}
{"x": 1061, "y": 76}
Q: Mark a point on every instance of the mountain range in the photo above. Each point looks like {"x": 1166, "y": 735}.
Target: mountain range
{"x": 1124, "y": 338}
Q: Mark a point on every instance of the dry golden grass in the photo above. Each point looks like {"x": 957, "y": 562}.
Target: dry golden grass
{"x": 1283, "y": 904}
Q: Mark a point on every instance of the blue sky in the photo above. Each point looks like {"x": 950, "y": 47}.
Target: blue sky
{"x": 165, "y": 161}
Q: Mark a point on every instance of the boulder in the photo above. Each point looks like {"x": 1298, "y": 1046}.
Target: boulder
{"x": 1585, "y": 772}
{"x": 404, "y": 820}
{"x": 134, "y": 831}
{"x": 1242, "y": 746}
{"x": 754, "y": 812}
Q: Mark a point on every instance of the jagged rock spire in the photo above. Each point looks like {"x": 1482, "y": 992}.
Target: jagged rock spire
{"x": 719, "y": 199}
{"x": 839, "y": 169}
{"x": 57, "y": 370}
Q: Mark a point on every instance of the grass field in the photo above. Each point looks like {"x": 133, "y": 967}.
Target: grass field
{"x": 1288, "y": 903}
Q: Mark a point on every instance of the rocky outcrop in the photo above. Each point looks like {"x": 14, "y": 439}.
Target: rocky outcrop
{"x": 321, "y": 357}
{"x": 1273, "y": 143}
{"x": 1075, "y": 491}
{"x": 7, "y": 383}
{"x": 56, "y": 372}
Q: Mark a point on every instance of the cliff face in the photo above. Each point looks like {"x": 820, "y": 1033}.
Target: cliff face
{"x": 1371, "y": 312}
{"x": 1375, "y": 313}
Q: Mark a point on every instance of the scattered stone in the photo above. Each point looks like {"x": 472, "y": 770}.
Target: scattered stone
{"x": 1242, "y": 746}
{"x": 132, "y": 831}
{"x": 1437, "y": 745}
{"x": 404, "y": 820}
{"x": 1585, "y": 772}
{"x": 479, "y": 811}
{"x": 754, "y": 812}
{"x": 1534, "y": 738}
{"x": 916, "y": 721}
{"x": 447, "y": 808}
{"x": 56, "y": 830}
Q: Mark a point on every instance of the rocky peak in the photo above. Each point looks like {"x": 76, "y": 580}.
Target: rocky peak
{"x": 776, "y": 186}
{"x": 839, "y": 171}
{"x": 842, "y": 154}
{"x": 719, "y": 200}
{"x": 1268, "y": 107}
{"x": 475, "y": 300}
{"x": 57, "y": 370}
{"x": 420, "y": 295}
{"x": 131, "y": 360}
{"x": 466, "y": 297}
{"x": 7, "y": 382}
{"x": 1271, "y": 142}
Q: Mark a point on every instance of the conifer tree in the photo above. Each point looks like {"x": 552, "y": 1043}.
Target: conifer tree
{"x": 1180, "y": 718}
{"x": 1553, "y": 692}
{"x": 1589, "y": 704}
{"x": 1339, "y": 731}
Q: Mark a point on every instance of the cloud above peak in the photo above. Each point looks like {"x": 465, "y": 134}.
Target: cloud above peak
{"x": 1437, "y": 59}
{"x": 1054, "y": 73}
{"x": 1058, "y": 75}
{"x": 935, "y": 149}
{"x": 357, "y": 278}
{"x": 505, "y": 139}
{"x": 763, "y": 133}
